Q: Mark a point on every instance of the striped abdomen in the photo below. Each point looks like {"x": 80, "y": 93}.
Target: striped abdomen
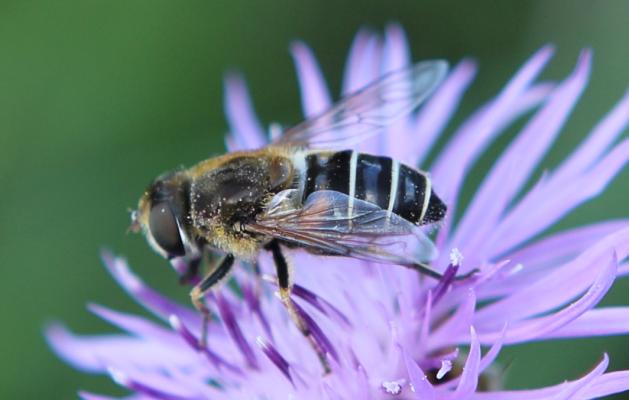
{"x": 379, "y": 180}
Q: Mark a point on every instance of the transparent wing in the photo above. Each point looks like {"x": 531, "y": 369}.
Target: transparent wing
{"x": 369, "y": 110}
{"x": 330, "y": 223}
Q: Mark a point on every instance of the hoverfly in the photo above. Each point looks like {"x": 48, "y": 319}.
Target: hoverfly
{"x": 298, "y": 192}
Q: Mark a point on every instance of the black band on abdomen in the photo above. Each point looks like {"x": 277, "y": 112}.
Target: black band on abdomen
{"x": 373, "y": 179}
{"x": 378, "y": 180}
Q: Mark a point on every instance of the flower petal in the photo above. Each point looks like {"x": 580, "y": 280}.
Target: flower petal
{"x": 321, "y": 304}
{"x": 539, "y": 258}
{"x": 469, "y": 376}
{"x": 275, "y": 357}
{"x": 323, "y": 342}
{"x": 193, "y": 342}
{"x": 493, "y": 352}
{"x": 253, "y": 302}
{"x": 135, "y": 325}
{"x": 396, "y": 53}
{"x": 536, "y": 328}
{"x": 570, "y": 390}
{"x": 444, "y": 283}
{"x": 92, "y": 396}
{"x": 454, "y": 326}
{"x": 162, "y": 388}
{"x": 560, "y": 247}
{"x": 421, "y": 387}
{"x": 604, "y": 385}
{"x": 593, "y": 148}
{"x": 96, "y": 353}
{"x": 246, "y": 133}
{"x": 584, "y": 388}
{"x": 235, "y": 331}
{"x": 598, "y": 322}
{"x": 516, "y": 163}
{"x": 426, "y": 319}
{"x": 364, "y": 66}
{"x": 477, "y": 132}
{"x": 315, "y": 97}
{"x": 557, "y": 287}
{"x": 435, "y": 114}
{"x": 363, "y": 62}
{"x": 153, "y": 301}
{"x": 537, "y": 212}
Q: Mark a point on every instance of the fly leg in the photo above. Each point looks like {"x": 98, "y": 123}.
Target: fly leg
{"x": 427, "y": 270}
{"x": 285, "y": 285}
{"x": 197, "y": 294}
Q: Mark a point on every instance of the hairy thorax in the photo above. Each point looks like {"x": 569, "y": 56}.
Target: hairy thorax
{"x": 229, "y": 192}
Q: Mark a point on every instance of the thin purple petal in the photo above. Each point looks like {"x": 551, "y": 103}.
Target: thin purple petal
{"x": 489, "y": 358}
{"x": 536, "y": 328}
{"x": 425, "y": 326}
{"x": 135, "y": 325}
{"x": 422, "y": 389}
{"x": 395, "y": 52}
{"x": 570, "y": 391}
{"x": 246, "y": 131}
{"x": 144, "y": 295}
{"x": 516, "y": 163}
{"x": 557, "y": 287}
{"x": 598, "y": 322}
{"x": 147, "y": 389}
{"x": 363, "y": 62}
{"x": 322, "y": 340}
{"x": 610, "y": 383}
{"x": 275, "y": 357}
{"x": 458, "y": 323}
{"x": 78, "y": 352}
{"x": 531, "y": 216}
{"x": 232, "y": 326}
{"x": 475, "y": 134}
{"x": 91, "y": 396}
{"x": 436, "y": 113}
{"x": 315, "y": 97}
{"x": 321, "y": 304}
{"x": 538, "y": 258}
{"x": 469, "y": 376}
{"x": 444, "y": 283}
{"x": 602, "y": 136}
{"x": 584, "y": 387}
{"x": 253, "y": 301}
{"x": 193, "y": 342}
{"x": 563, "y": 246}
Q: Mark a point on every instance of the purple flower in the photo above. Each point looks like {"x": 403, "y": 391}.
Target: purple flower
{"x": 386, "y": 331}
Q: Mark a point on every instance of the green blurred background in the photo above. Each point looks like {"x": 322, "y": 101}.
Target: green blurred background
{"x": 97, "y": 97}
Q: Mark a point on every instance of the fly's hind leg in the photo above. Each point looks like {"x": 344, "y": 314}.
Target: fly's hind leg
{"x": 285, "y": 285}
{"x": 215, "y": 276}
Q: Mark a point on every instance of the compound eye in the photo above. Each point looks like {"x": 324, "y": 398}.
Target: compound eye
{"x": 164, "y": 229}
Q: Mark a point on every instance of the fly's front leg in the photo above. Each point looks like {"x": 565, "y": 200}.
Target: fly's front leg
{"x": 215, "y": 276}
{"x": 285, "y": 285}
